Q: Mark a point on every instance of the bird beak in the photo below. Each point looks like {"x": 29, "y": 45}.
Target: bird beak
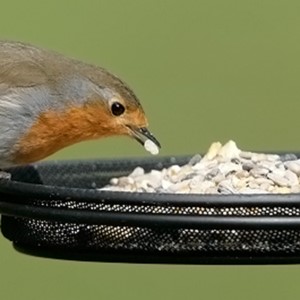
{"x": 142, "y": 134}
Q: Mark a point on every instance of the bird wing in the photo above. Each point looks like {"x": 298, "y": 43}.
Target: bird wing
{"x": 23, "y": 65}
{"x": 21, "y": 74}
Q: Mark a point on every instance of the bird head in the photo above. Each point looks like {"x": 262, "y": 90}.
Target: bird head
{"x": 117, "y": 104}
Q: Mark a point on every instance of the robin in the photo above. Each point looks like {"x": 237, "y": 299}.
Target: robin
{"x": 49, "y": 101}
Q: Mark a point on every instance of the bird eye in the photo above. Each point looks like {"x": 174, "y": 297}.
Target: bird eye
{"x": 117, "y": 108}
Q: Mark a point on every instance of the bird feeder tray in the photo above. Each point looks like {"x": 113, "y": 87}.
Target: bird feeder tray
{"x": 54, "y": 209}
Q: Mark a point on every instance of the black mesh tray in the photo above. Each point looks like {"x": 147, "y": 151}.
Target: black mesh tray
{"x": 54, "y": 210}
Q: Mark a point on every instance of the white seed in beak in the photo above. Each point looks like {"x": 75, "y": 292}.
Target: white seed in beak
{"x": 151, "y": 147}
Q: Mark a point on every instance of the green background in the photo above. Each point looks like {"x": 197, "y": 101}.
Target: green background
{"x": 205, "y": 71}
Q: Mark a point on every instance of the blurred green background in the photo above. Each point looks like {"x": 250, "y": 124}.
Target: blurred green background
{"x": 204, "y": 71}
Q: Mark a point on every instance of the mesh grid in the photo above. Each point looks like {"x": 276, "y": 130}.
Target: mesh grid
{"x": 168, "y": 210}
{"x": 101, "y": 237}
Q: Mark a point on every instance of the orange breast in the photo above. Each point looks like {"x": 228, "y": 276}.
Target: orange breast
{"x": 55, "y": 130}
